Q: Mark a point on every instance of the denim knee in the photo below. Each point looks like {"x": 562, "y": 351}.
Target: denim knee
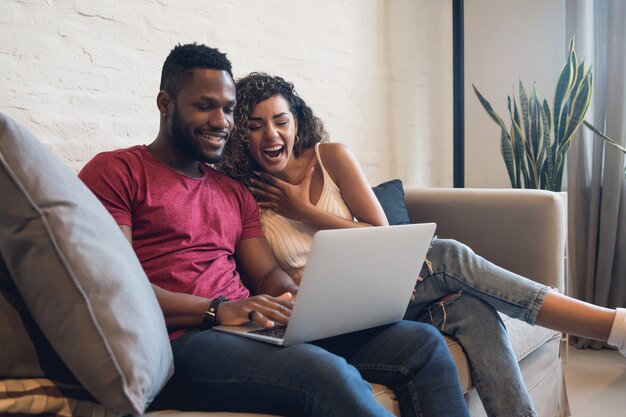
{"x": 325, "y": 368}
{"x": 433, "y": 342}
{"x": 450, "y": 249}
{"x": 461, "y": 310}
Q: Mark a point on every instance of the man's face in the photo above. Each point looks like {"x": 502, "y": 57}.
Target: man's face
{"x": 202, "y": 117}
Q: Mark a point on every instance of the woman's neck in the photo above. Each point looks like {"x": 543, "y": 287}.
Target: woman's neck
{"x": 297, "y": 167}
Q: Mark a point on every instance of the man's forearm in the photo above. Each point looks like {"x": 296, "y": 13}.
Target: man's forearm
{"x": 180, "y": 310}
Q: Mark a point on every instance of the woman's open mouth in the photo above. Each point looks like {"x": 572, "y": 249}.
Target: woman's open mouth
{"x": 274, "y": 152}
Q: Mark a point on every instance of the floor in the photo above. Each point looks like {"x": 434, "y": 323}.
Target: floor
{"x": 596, "y": 383}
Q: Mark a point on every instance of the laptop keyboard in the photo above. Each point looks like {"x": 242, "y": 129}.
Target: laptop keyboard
{"x": 278, "y": 332}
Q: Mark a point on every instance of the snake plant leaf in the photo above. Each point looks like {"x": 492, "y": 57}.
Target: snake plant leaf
{"x": 536, "y": 136}
{"x": 580, "y": 105}
{"x": 576, "y": 75}
{"x": 521, "y": 172}
{"x": 562, "y": 86}
{"x": 517, "y": 141}
{"x": 605, "y": 137}
{"x": 558, "y": 172}
{"x": 523, "y": 101}
{"x": 559, "y": 135}
{"x": 510, "y": 155}
{"x": 505, "y": 139}
{"x": 547, "y": 170}
{"x": 489, "y": 109}
{"x": 516, "y": 113}
{"x": 507, "y": 155}
{"x": 517, "y": 137}
{"x": 607, "y": 140}
{"x": 579, "y": 74}
{"x": 546, "y": 110}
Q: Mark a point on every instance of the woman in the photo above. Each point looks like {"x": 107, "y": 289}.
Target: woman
{"x": 303, "y": 184}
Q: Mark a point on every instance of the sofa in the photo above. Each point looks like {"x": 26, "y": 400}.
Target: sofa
{"x": 69, "y": 282}
{"x": 521, "y": 230}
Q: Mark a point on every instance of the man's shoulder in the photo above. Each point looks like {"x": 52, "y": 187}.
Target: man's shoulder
{"x": 124, "y": 154}
{"x": 115, "y": 158}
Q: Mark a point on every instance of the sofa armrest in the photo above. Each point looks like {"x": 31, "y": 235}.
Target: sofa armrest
{"x": 521, "y": 230}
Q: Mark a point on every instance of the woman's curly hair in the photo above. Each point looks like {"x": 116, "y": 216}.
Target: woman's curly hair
{"x": 251, "y": 90}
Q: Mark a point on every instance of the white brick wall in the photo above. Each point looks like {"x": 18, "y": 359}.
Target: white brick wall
{"x": 83, "y": 74}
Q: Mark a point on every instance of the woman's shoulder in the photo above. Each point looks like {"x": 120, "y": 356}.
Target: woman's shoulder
{"x": 336, "y": 158}
{"x": 333, "y": 152}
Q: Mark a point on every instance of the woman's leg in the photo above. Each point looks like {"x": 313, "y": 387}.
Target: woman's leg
{"x": 482, "y": 334}
{"x": 455, "y": 267}
{"x": 576, "y": 317}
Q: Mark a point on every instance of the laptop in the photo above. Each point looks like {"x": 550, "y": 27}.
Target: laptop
{"x": 354, "y": 279}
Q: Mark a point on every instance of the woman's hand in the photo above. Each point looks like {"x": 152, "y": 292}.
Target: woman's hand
{"x": 288, "y": 200}
{"x": 263, "y": 310}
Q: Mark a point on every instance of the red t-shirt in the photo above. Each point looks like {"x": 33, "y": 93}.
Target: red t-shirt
{"x": 184, "y": 229}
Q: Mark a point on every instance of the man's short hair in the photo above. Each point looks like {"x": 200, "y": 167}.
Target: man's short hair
{"x": 179, "y": 65}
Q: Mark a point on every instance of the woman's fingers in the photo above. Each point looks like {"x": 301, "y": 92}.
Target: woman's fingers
{"x": 263, "y": 184}
{"x": 266, "y": 191}
{"x": 269, "y": 179}
{"x": 262, "y": 193}
{"x": 271, "y": 206}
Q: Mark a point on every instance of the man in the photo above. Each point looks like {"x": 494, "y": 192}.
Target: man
{"x": 196, "y": 232}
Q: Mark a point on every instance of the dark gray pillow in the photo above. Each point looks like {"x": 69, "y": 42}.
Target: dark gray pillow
{"x": 79, "y": 279}
{"x": 390, "y": 194}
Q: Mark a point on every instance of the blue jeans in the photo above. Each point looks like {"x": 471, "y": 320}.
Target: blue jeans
{"x": 218, "y": 371}
{"x": 470, "y": 317}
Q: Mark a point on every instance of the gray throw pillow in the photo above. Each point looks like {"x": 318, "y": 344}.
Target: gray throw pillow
{"x": 79, "y": 279}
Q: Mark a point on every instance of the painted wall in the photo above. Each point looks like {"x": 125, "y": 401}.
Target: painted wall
{"x": 83, "y": 74}
{"x": 505, "y": 41}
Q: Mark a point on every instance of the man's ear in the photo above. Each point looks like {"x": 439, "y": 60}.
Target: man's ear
{"x": 164, "y": 103}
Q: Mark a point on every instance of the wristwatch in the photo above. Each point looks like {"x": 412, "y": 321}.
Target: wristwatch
{"x": 209, "y": 317}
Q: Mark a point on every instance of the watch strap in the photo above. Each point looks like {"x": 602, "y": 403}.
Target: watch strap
{"x": 209, "y": 317}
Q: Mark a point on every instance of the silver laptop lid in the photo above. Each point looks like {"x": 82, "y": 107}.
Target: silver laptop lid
{"x": 357, "y": 278}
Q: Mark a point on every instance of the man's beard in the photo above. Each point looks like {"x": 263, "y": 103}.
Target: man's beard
{"x": 188, "y": 144}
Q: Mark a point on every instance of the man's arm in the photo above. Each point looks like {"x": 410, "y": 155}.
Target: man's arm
{"x": 180, "y": 310}
{"x": 260, "y": 270}
{"x": 186, "y": 311}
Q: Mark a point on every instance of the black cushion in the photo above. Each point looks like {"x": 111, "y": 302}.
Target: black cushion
{"x": 390, "y": 194}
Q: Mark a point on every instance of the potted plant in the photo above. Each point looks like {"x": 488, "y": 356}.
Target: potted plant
{"x": 535, "y": 145}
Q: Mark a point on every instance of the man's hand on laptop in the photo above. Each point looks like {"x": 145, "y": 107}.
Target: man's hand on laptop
{"x": 264, "y": 310}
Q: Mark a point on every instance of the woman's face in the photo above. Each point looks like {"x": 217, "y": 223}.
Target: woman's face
{"x": 272, "y": 129}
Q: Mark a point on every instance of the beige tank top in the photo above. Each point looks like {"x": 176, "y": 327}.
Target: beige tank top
{"x": 290, "y": 239}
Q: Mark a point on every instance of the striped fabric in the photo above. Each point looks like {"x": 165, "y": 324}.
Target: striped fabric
{"x": 291, "y": 240}
{"x": 40, "y": 396}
